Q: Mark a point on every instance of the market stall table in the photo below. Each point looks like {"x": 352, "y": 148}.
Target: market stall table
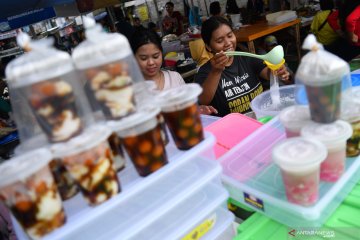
{"x": 250, "y": 33}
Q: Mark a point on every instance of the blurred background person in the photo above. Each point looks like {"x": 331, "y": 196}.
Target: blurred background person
{"x": 172, "y": 22}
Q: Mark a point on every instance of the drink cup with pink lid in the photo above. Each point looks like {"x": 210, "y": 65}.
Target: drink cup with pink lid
{"x": 28, "y": 189}
{"x": 294, "y": 118}
{"x": 299, "y": 160}
{"x": 333, "y": 136}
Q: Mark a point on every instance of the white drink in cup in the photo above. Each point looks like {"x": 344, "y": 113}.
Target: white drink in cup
{"x": 294, "y": 118}
{"x": 334, "y": 137}
{"x": 299, "y": 160}
{"x": 28, "y": 189}
{"x": 90, "y": 162}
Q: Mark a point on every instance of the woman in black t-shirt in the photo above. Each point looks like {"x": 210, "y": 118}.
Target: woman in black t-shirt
{"x": 230, "y": 83}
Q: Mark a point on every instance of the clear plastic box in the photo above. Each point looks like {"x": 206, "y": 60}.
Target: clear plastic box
{"x": 254, "y": 180}
{"x": 200, "y": 215}
{"x": 142, "y": 200}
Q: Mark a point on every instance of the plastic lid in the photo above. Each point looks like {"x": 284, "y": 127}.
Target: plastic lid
{"x": 350, "y": 110}
{"x": 319, "y": 67}
{"x": 143, "y": 120}
{"x": 332, "y": 135}
{"x": 299, "y": 154}
{"x": 23, "y": 166}
{"x": 178, "y": 98}
{"x": 38, "y": 65}
{"x": 295, "y": 117}
{"x": 108, "y": 47}
{"x": 90, "y": 138}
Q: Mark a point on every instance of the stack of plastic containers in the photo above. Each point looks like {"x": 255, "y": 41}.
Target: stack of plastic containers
{"x": 152, "y": 190}
{"x": 300, "y": 178}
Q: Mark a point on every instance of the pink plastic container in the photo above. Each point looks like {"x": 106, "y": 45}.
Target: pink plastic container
{"x": 230, "y": 130}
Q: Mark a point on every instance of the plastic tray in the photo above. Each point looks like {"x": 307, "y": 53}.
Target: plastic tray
{"x": 230, "y": 130}
{"x": 191, "y": 217}
{"x": 344, "y": 222}
{"x": 252, "y": 179}
{"x": 141, "y": 199}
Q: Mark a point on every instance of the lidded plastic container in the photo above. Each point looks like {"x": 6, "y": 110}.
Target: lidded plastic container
{"x": 28, "y": 189}
{"x": 107, "y": 62}
{"x": 46, "y": 94}
{"x": 294, "y": 118}
{"x": 299, "y": 160}
{"x": 324, "y": 77}
{"x": 334, "y": 137}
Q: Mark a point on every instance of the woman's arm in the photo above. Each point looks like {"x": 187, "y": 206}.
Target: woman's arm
{"x": 218, "y": 62}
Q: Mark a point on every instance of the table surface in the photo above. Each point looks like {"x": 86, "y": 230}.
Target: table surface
{"x": 260, "y": 29}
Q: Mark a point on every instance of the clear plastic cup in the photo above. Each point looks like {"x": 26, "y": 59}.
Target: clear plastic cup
{"x": 141, "y": 138}
{"x": 351, "y": 114}
{"x": 90, "y": 162}
{"x": 294, "y": 118}
{"x": 299, "y": 160}
{"x": 110, "y": 68}
{"x": 28, "y": 189}
{"x": 45, "y": 85}
{"x": 180, "y": 110}
{"x": 117, "y": 151}
{"x": 334, "y": 137}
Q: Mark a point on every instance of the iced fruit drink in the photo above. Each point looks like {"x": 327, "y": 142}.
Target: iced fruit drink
{"x": 146, "y": 151}
{"x": 324, "y": 102}
{"x": 35, "y": 203}
{"x": 301, "y": 189}
{"x": 66, "y": 184}
{"x": 333, "y": 166}
{"x": 94, "y": 172}
{"x": 185, "y": 126}
{"x": 53, "y": 103}
{"x": 117, "y": 151}
{"x": 111, "y": 86}
{"x": 164, "y": 134}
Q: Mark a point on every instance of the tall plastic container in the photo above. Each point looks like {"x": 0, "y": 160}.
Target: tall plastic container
{"x": 110, "y": 69}
{"x": 46, "y": 94}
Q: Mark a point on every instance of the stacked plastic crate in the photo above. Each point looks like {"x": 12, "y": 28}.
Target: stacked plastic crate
{"x": 183, "y": 199}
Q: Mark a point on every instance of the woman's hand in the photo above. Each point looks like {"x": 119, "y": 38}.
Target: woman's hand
{"x": 284, "y": 75}
{"x": 207, "y": 110}
{"x": 219, "y": 60}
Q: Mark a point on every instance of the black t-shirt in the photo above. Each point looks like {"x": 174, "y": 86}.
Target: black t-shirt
{"x": 239, "y": 84}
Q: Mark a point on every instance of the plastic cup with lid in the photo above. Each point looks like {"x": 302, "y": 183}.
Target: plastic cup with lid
{"x": 351, "y": 114}
{"x": 108, "y": 64}
{"x": 294, "y": 118}
{"x": 44, "y": 84}
{"x": 299, "y": 160}
{"x": 324, "y": 82}
{"x": 28, "y": 189}
{"x": 180, "y": 110}
{"x": 66, "y": 185}
{"x": 141, "y": 138}
{"x": 90, "y": 162}
{"x": 334, "y": 137}
{"x": 117, "y": 151}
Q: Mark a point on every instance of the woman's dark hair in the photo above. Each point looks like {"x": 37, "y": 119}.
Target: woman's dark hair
{"x": 327, "y": 4}
{"x": 215, "y": 8}
{"x": 142, "y": 37}
{"x": 170, "y": 4}
{"x": 232, "y": 7}
{"x": 151, "y": 25}
{"x": 210, "y": 25}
